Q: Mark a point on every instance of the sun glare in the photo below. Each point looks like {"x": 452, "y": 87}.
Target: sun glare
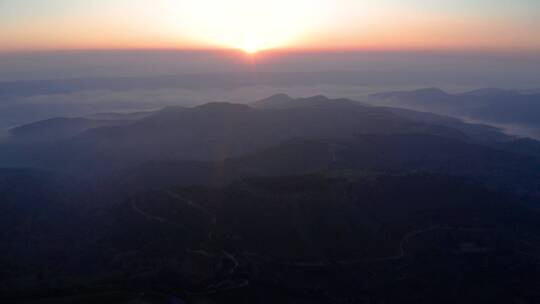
{"x": 250, "y": 45}
{"x": 248, "y": 25}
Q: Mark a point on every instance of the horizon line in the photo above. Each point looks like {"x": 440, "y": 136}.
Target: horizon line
{"x": 285, "y": 50}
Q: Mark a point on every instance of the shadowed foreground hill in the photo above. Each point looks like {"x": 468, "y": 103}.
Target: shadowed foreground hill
{"x": 310, "y": 200}
{"x": 313, "y": 239}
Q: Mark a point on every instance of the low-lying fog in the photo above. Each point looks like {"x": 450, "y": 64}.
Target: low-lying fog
{"x": 45, "y": 85}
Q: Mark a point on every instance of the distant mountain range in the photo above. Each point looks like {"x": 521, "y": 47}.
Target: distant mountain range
{"x": 218, "y": 131}
{"x": 495, "y": 106}
{"x": 279, "y": 135}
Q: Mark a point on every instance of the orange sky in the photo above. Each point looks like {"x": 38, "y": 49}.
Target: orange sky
{"x": 278, "y": 24}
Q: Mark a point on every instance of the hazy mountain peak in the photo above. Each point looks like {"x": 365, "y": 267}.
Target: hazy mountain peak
{"x": 490, "y": 92}
{"x": 274, "y": 101}
{"x": 279, "y": 96}
{"x": 283, "y": 101}
{"x": 59, "y": 128}
{"x": 120, "y": 116}
{"x": 432, "y": 90}
{"x": 427, "y": 93}
{"x": 317, "y": 98}
{"x": 222, "y": 106}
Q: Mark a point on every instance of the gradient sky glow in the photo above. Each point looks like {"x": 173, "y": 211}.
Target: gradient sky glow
{"x": 276, "y": 24}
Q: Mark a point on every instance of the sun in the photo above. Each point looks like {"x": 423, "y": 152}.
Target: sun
{"x": 248, "y": 26}
{"x": 250, "y": 45}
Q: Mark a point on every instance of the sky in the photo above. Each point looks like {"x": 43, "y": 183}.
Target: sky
{"x": 507, "y": 25}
